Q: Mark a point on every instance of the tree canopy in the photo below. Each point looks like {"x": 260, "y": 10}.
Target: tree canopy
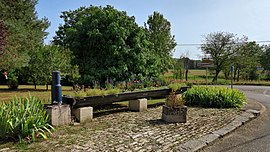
{"x": 265, "y": 60}
{"x": 25, "y": 32}
{"x": 159, "y": 30}
{"x": 48, "y": 58}
{"x": 221, "y": 46}
{"x": 107, "y": 44}
{"x": 247, "y": 60}
{"x": 3, "y": 38}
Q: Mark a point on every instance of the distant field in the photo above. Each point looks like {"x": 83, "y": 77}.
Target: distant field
{"x": 196, "y": 75}
{"x": 197, "y": 72}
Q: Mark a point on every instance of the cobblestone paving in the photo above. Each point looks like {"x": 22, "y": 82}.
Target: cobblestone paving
{"x": 137, "y": 131}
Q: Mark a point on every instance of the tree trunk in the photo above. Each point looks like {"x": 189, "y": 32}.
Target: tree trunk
{"x": 186, "y": 74}
{"x": 234, "y": 73}
{"x": 226, "y": 75}
{"x": 73, "y": 85}
{"x": 35, "y": 85}
{"x": 238, "y": 75}
{"x": 216, "y": 76}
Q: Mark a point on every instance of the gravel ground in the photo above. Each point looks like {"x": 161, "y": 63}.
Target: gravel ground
{"x": 135, "y": 131}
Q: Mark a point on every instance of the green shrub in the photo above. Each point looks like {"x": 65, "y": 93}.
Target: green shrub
{"x": 174, "y": 100}
{"x": 94, "y": 92}
{"x": 112, "y": 91}
{"x": 214, "y": 97}
{"x": 176, "y": 86}
{"x": 24, "y": 119}
{"x": 78, "y": 94}
{"x": 13, "y": 82}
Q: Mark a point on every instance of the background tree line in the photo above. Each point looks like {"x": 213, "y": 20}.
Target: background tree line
{"x": 227, "y": 50}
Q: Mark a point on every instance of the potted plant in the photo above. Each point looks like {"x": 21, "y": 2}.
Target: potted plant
{"x": 174, "y": 109}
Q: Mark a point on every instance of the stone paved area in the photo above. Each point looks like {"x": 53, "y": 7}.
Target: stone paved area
{"x": 136, "y": 131}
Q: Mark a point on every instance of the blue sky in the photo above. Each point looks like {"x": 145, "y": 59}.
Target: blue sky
{"x": 190, "y": 19}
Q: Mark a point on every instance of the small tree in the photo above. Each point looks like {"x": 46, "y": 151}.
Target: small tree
{"x": 179, "y": 69}
{"x": 221, "y": 46}
{"x": 159, "y": 31}
{"x": 73, "y": 74}
{"x": 247, "y": 60}
{"x": 49, "y": 58}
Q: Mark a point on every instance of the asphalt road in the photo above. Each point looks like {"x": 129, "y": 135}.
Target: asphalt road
{"x": 253, "y": 136}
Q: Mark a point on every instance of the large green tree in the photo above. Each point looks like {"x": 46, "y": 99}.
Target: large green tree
{"x": 159, "y": 30}
{"x": 3, "y": 37}
{"x": 221, "y": 46}
{"x": 25, "y": 32}
{"x": 107, "y": 44}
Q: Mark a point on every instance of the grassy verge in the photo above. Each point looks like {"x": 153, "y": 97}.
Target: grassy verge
{"x": 24, "y": 91}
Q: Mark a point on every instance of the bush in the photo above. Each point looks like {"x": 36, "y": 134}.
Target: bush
{"x": 24, "y": 119}
{"x": 174, "y": 100}
{"x": 176, "y": 86}
{"x": 12, "y": 83}
{"x": 214, "y": 97}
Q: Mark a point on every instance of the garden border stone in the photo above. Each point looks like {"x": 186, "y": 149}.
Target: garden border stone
{"x": 59, "y": 115}
{"x": 83, "y": 114}
{"x": 197, "y": 144}
{"x": 139, "y": 105}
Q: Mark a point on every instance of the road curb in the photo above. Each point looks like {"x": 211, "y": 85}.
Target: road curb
{"x": 202, "y": 142}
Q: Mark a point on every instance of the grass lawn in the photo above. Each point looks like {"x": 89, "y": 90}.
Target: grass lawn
{"x": 193, "y": 75}
{"x": 198, "y": 76}
{"x": 26, "y": 90}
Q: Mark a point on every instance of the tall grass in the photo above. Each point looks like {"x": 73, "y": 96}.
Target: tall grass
{"x": 24, "y": 119}
{"x": 214, "y": 97}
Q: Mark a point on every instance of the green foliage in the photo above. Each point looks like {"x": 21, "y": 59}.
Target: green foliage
{"x": 175, "y": 100}
{"x": 73, "y": 73}
{"x": 245, "y": 61}
{"x": 94, "y": 92}
{"x": 214, "y": 97}
{"x": 50, "y": 58}
{"x": 12, "y": 81}
{"x": 265, "y": 60}
{"x": 25, "y": 32}
{"x": 112, "y": 91}
{"x": 3, "y": 37}
{"x": 176, "y": 86}
{"x": 24, "y": 119}
{"x": 159, "y": 31}
{"x": 221, "y": 46}
{"x": 179, "y": 69}
{"x": 102, "y": 39}
{"x": 78, "y": 94}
